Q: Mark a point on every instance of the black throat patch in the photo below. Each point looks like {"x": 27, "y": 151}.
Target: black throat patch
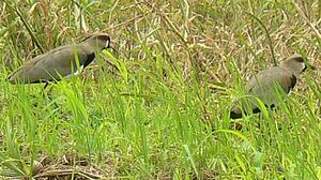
{"x": 89, "y": 59}
{"x": 293, "y": 81}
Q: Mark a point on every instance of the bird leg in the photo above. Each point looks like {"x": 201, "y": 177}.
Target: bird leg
{"x": 46, "y": 93}
{"x": 47, "y": 83}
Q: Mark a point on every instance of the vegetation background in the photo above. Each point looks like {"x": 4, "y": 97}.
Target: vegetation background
{"x": 158, "y": 109}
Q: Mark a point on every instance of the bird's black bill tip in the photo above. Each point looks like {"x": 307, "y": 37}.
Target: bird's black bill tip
{"x": 113, "y": 49}
{"x": 309, "y": 66}
{"x": 312, "y": 67}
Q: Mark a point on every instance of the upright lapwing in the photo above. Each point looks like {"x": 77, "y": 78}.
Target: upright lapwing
{"x": 60, "y": 62}
{"x": 265, "y": 83}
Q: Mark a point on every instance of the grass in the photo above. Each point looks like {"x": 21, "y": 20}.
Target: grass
{"x": 162, "y": 113}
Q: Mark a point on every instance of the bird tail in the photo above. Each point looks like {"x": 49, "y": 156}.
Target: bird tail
{"x": 11, "y": 78}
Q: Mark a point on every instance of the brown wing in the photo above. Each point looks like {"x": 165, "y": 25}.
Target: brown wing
{"x": 264, "y": 84}
{"x": 263, "y": 87}
{"x": 265, "y": 81}
{"x": 50, "y": 66}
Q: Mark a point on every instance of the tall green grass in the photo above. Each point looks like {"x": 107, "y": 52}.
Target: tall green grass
{"x": 162, "y": 111}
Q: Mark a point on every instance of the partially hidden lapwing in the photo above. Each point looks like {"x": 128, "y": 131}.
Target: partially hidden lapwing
{"x": 60, "y": 62}
{"x": 265, "y": 83}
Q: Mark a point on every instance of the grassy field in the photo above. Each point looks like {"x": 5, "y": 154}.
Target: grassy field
{"x": 161, "y": 111}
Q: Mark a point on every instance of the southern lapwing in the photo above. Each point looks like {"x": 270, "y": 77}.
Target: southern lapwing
{"x": 60, "y": 62}
{"x": 264, "y": 85}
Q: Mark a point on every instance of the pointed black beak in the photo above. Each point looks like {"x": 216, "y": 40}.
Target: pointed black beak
{"x": 112, "y": 48}
{"x": 309, "y": 66}
{"x": 312, "y": 67}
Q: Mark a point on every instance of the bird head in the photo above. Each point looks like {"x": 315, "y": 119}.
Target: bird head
{"x": 99, "y": 41}
{"x": 295, "y": 64}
